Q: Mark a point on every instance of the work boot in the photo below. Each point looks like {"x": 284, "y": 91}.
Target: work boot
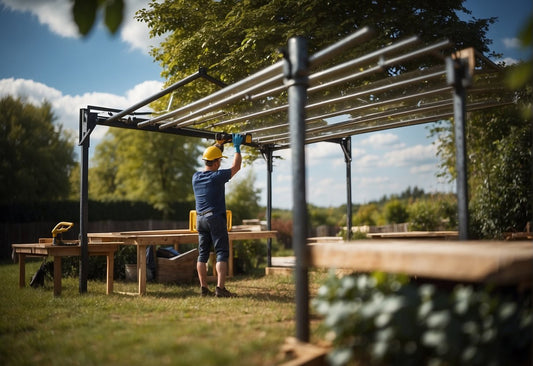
{"x": 206, "y": 292}
{"x": 222, "y": 292}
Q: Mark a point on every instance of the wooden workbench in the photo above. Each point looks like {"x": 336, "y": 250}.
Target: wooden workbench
{"x": 498, "y": 262}
{"x": 142, "y": 239}
{"x": 46, "y": 248}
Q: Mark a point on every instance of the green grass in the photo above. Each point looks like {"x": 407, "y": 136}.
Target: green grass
{"x": 171, "y": 325}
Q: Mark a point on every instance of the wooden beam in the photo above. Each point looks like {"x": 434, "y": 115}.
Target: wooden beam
{"x": 499, "y": 262}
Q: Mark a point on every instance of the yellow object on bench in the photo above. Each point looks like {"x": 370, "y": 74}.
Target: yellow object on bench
{"x": 192, "y": 220}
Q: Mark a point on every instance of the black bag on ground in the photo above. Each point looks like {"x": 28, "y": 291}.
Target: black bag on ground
{"x": 167, "y": 252}
{"x": 37, "y": 279}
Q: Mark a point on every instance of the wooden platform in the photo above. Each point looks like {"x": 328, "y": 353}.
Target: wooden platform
{"x": 498, "y": 262}
{"x": 281, "y": 266}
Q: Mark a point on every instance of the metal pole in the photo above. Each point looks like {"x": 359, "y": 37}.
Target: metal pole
{"x": 84, "y": 138}
{"x": 158, "y": 95}
{"x": 457, "y": 75}
{"x": 296, "y": 78}
{"x": 346, "y": 144}
{"x": 268, "y": 156}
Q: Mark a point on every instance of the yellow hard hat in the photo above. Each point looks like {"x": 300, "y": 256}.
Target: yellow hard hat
{"x": 212, "y": 153}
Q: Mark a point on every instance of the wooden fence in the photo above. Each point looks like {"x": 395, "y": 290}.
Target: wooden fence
{"x": 30, "y": 232}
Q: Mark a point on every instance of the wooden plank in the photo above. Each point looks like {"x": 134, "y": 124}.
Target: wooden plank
{"x": 495, "y": 261}
{"x": 446, "y": 235}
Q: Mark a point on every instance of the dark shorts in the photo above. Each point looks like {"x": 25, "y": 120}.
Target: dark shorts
{"x": 212, "y": 233}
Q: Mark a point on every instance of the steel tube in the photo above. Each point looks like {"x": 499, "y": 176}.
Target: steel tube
{"x": 223, "y": 96}
{"x": 296, "y": 79}
{"x": 457, "y": 76}
{"x": 156, "y": 96}
{"x": 317, "y": 77}
{"x": 270, "y": 167}
{"x": 254, "y": 82}
{"x": 84, "y": 199}
{"x": 346, "y": 145}
{"x": 339, "y": 47}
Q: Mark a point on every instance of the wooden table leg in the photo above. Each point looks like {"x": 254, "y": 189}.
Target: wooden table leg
{"x": 230, "y": 260}
{"x": 57, "y": 275}
{"x": 141, "y": 268}
{"x": 110, "y": 273}
{"x": 22, "y": 270}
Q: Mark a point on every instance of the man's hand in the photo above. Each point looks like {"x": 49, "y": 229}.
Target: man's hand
{"x": 237, "y": 138}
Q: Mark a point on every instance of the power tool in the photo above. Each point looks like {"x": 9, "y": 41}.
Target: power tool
{"x": 222, "y": 138}
{"x": 58, "y": 230}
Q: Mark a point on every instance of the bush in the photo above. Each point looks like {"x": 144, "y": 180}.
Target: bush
{"x": 423, "y": 215}
{"x": 248, "y": 255}
{"x": 386, "y": 319}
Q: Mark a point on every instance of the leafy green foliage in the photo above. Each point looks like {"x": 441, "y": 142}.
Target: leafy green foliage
{"x": 367, "y": 215}
{"x": 36, "y": 155}
{"x": 395, "y": 212}
{"x": 85, "y": 12}
{"x": 243, "y": 198}
{"x": 435, "y": 212}
{"x": 423, "y": 215}
{"x": 521, "y": 75}
{"x": 149, "y": 167}
{"x": 233, "y": 38}
{"x": 385, "y": 319}
{"x": 249, "y": 256}
{"x": 500, "y": 161}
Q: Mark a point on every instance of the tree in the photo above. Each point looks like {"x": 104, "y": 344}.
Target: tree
{"x": 36, "y": 156}
{"x": 234, "y": 38}
{"x": 243, "y": 198}
{"x": 139, "y": 166}
{"x": 499, "y": 150}
{"x": 367, "y": 215}
{"x": 395, "y": 212}
{"x": 239, "y": 37}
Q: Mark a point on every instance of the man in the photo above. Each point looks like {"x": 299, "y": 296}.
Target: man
{"x": 208, "y": 186}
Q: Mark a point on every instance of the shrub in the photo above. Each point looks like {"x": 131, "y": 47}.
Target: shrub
{"x": 386, "y": 319}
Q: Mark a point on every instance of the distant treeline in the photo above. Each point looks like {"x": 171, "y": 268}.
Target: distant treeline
{"x": 98, "y": 211}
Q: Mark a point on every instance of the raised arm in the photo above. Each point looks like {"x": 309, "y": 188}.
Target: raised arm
{"x": 237, "y": 159}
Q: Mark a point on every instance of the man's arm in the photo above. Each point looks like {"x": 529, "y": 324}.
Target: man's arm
{"x": 237, "y": 159}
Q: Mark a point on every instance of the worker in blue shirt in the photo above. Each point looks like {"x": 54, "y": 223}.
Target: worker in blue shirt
{"x": 209, "y": 191}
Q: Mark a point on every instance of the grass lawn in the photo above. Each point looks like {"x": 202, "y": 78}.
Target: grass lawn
{"x": 171, "y": 325}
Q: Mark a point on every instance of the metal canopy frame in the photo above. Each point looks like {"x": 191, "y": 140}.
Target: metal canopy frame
{"x": 329, "y": 96}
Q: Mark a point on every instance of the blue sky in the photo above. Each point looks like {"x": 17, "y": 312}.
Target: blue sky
{"x": 44, "y": 59}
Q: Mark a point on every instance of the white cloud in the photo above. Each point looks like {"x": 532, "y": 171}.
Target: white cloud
{"x": 413, "y": 155}
{"x": 424, "y": 168}
{"x": 135, "y": 33}
{"x": 511, "y": 43}
{"x": 377, "y": 140}
{"x": 57, "y": 16}
{"x": 66, "y": 107}
{"x": 367, "y": 161}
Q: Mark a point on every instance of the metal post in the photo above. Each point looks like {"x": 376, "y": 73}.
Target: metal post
{"x": 269, "y": 157}
{"x": 296, "y": 79}
{"x": 346, "y": 144}
{"x": 458, "y": 76}
{"x": 87, "y": 124}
